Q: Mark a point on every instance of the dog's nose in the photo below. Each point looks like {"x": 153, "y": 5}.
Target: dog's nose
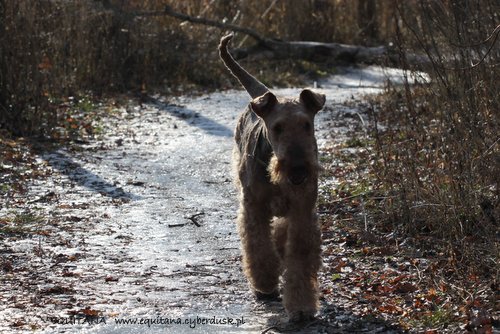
{"x": 297, "y": 175}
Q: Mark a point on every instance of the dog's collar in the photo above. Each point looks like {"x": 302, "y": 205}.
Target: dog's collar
{"x": 257, "y": 160}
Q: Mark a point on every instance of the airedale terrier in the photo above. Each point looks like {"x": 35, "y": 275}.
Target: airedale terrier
{"x": 276, "y": 163}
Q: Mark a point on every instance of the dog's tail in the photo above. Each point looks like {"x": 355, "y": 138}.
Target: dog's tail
{"x": 253, "y": 86}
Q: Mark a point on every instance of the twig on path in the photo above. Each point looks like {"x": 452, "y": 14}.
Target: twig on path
{"x": 176, "y": 225}
{"x": 192, "y": 273}
{"x": 217, "y": 182}
{"x": 191, "y": 218}
{"x": 194, "y": 220}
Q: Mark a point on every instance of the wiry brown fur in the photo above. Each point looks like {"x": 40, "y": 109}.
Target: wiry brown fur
{"x": 276, "y": 166}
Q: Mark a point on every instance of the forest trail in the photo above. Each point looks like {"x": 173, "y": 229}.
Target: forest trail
{"x": 140, "y": 225}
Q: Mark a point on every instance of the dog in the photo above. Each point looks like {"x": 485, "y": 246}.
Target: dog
{"x": 276, "y": 169}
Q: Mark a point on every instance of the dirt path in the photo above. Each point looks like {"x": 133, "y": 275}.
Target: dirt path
{"x": 140, "y": 226}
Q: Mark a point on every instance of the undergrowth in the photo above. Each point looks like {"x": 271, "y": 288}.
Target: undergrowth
{"x": 437, "y": 155}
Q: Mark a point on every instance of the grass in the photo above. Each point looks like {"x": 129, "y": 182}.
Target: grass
{"x": 439, "y": 318}
{"x": 355, "y": 142}
{"x": 20, "y": 224}
{"x": 4, "y": 188}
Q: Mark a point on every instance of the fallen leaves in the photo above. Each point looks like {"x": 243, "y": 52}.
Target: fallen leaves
{"x": 480, "y": 322}
{"x": 33, "y": 275}
{"x": 89, "y": 312}
{"x": 371, "y": 271}
{"x": 400, "y": 288}
{"x": 56, "y": 290}
{"x": 111, "y": 279}
{"x": 6, "y": 266}
{"x": 405, "y": 287}
{"x": 381, "y": 281}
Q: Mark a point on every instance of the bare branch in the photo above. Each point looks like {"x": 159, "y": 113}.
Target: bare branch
{"x": 228, "y": 26}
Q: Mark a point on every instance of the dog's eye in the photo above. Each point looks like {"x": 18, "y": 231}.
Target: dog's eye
{"x": 307, "y": 127}
{"x": 278, "y": 129}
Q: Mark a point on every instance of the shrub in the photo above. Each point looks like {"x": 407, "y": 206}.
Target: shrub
{"x": 438, "y": 160}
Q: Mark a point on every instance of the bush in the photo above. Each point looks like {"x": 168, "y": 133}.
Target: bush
{"x": 50, "y": 50}
{"x": 438, "y": 160}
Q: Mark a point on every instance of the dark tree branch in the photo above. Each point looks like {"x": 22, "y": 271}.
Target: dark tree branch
{"x": 183, "y": 17}
{"x": 213, "y": 23}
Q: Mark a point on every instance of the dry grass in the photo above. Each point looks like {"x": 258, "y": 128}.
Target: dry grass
{"x": 438, "y": 162}
{"x": 50, "y": 50}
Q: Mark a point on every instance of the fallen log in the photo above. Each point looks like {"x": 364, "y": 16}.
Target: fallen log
{"x": 314, "y": 51}
{"x": 311, "y": 51}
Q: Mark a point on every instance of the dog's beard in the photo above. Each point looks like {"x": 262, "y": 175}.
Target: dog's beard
{"x": 278, "y": 173}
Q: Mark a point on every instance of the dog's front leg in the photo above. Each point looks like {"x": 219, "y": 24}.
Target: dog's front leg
{"x": 261, "y": 263}
{"x": 302, "y": 262}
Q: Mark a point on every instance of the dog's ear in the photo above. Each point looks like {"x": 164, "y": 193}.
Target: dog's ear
{"x": 263, "y": 104}
{"x": 314, "y": 102}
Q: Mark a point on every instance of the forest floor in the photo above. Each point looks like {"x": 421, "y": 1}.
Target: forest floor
{"x": 133, "y": 231}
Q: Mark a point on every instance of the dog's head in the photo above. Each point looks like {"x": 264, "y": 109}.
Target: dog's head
{"x": 290, "y": 131}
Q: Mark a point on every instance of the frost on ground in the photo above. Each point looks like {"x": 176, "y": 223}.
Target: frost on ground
{"x": 139, "y": 226}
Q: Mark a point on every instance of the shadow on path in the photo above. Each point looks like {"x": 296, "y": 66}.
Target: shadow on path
{"x": 333, "y": 319}
{"x": 66, "y": 165}
{"x": 194, "y": 118}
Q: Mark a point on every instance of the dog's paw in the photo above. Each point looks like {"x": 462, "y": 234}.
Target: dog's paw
{"x": 301, "y": 316}
{"x": 268, "y": 297}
